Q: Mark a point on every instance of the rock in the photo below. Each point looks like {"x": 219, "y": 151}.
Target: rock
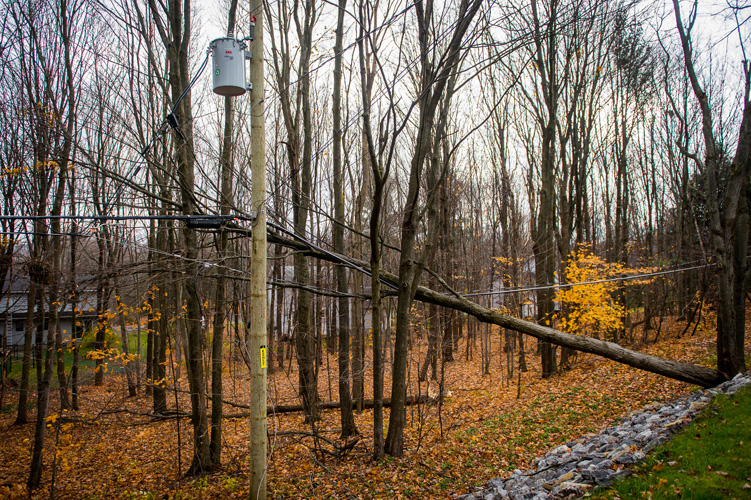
{"x": 548, "y": 462}
{"x": 578, "y": 465}
{"x": 679, "y": 422}
{"x": 560, "y": 450}
{"x": 496, "y": 483}
{"x": 644, "y": 436}
{"x": 606, "y": 448}
{"x": 600, "y": 477}
{"x": 580, "y": 448}
{"x": 570, "y": 488}
{"x": 570, "y": 457}
{"x": 618, "y": 451}
{"x": 566, "y": 477}
{"x": 601, "y": 463}
{"x": 524, "y": 490}
{"x": 652, "y": 420}
{"x": 625, "y": 459}
{"x": 568, "y": 467}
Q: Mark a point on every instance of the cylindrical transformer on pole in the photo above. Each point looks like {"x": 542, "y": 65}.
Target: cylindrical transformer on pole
{"x": 229, "y": 56}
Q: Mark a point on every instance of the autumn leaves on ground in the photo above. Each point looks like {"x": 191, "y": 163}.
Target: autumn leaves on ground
{"x": 488, "y": 425}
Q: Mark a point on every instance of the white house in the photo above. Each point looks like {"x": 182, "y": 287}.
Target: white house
{"x": 14, "y": 308}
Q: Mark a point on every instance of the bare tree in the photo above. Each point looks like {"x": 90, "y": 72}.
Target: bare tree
{"x": 436, "y": 67}
{"x": 173, "y": 24}
{"x": 728, "y": 212}
{"x": 296, "y": 113}
{"x": 345, "y": 397}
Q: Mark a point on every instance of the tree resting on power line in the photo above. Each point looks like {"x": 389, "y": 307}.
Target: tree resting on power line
{"x": 685, "y": 372}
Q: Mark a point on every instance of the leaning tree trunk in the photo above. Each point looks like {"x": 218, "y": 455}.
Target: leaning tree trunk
{"x": 685, "y": 372}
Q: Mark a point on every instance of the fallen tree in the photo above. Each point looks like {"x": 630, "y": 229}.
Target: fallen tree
{"x": 334, "y": 405}
{"x": 294, "y": 408}
{"x": 685, "y": 372}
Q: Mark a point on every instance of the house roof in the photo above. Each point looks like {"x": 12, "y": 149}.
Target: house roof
{"x": 14, "y": 298}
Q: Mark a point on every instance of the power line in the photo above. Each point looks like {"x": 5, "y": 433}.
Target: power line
{"x": 312, "y": 245}
{"x": 225, "y": 218}
{"x": 593, "y": 282}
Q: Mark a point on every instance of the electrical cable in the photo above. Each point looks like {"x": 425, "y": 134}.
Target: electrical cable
{"x": 169, "y": 120}
{"x": 593, "y": 282}
{"x": 224, "y": 218}
{"x": 205, "y": 264}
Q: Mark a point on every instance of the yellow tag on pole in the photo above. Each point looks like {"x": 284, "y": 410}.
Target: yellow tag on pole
{"x": 263, "y": 356}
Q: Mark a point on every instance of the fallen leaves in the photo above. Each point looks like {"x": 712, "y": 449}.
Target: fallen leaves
{"x": 481, "y": 432}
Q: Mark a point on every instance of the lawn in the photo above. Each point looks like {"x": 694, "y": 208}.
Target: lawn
{"x": 711, "y": 459}
{"x": 113, "y": 340}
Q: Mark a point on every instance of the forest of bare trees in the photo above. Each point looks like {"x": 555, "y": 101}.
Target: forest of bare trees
{"x": 432, "y": 168}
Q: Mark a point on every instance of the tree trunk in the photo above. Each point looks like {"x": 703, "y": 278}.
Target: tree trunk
{"x": 220, "y": 301}
{"x": 176, "y": 38}
{"x": 23, "y": 395}
{"x": 728, "y": 221}
{"x": 43, "y": 397}
{"x": 347, "y": 417}
{"x": 544, "y": 230}
{"x": 159, "y": 330}
{"x": 127, "y": 361}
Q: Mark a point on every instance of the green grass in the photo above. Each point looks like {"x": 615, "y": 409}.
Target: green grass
{"x": 710, "y": 459}
{"x": 112, "y": 339}
{"x": 15, "y": 372}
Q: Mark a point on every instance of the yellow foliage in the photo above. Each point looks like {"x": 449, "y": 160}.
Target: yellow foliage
{"x": 590, "y": 307}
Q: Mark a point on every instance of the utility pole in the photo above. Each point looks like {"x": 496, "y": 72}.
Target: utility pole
{"x": 258, "y": 312}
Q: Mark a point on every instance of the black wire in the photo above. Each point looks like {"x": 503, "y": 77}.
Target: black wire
{"x": 337, "y": 258}
{"x": 166, "y": 122}
{"x": 226, "y": 218}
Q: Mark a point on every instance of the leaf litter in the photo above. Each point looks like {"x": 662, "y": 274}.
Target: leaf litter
{"x": 488, "y": 426}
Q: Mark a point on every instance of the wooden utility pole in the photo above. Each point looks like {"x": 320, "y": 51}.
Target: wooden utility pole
{"x": 257, "y": 343}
